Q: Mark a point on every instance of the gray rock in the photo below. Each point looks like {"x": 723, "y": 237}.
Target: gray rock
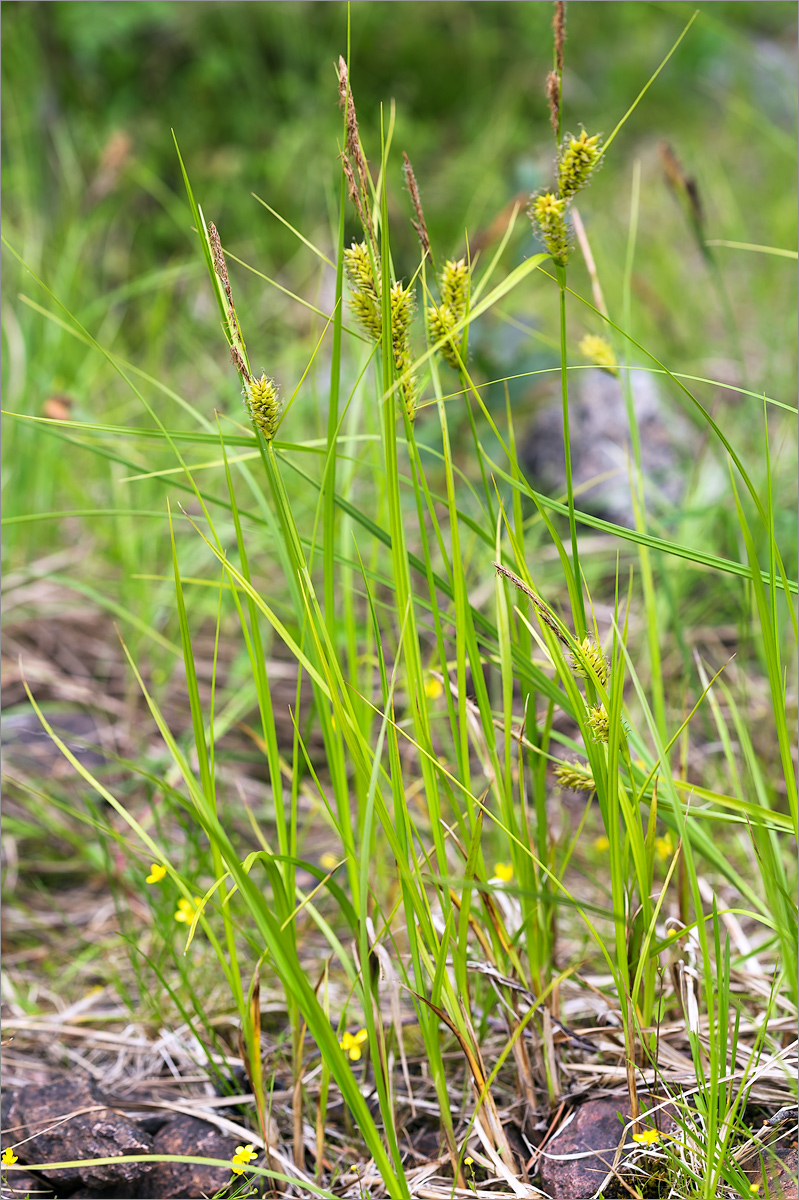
{"x": 187, "y": 1181}
{"x": 599, "y": 435}
{"x": 595, "y": 1127}
{"x": 37, "y": 1113}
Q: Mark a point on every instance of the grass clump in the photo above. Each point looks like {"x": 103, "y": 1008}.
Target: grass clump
{"x": 413, "y": 926}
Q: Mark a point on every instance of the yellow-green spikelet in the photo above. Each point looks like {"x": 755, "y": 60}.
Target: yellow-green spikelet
{"x": 454, "y": 289}
{"x": 578, "y": 158}
{"x": 401, "y": 314}
{"x": 589, "y": 661}
{"x": 575, "y": 776}
{"x": 365, "y": 297}
{"x": 598, "y": 350}
{"x": 599, "y": 722}
{"x": 548, "y": 215}
{"x": 264, "y": 406}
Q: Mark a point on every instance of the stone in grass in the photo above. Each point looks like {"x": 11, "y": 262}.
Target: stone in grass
{"x": 782, "y": 1173}
{"x": 187, "y": 1181}
{"x": 598, "y": 434}
{"x": 94, "y": 1131}
{"x": 595, "y": 1131}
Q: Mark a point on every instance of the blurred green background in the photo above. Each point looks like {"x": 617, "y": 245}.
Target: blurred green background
{"x": 94, "y": 203}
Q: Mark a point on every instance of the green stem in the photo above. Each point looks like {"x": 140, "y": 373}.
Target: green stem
{"x": 579, "y": 615}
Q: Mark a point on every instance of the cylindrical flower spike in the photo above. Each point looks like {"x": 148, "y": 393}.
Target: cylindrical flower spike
{"x": 589, "y": 661}
{"x": 262, "y": 401}
{"x": 365, "y": 300}
{"x": 548, "y": 215}
{"x": 599, "y": 351}
{"x": 359, "y": 267}
{"x": 600, "y": 723}
{"x": 442, "y": 322}
{"x": 578, "y": 158}
{"x": 575, "y": 777}
{"x": 454, "y": 288}
{"x": 401, "y": 315}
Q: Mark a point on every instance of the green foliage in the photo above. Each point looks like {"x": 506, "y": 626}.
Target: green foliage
{"x": 440, "y": 615}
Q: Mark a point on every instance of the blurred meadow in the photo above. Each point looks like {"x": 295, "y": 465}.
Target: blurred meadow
{"x": 283, "y": 664}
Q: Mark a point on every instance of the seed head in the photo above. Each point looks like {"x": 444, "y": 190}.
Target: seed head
{"x": 599, "y": 351}
{"x": 454, "y": 283}
{"x": 553, "y": 96}
{"x": 263, "y": 404}
{"x": 401, "y": 315}
{"x": 600, "y": 723}
{"x": 442, "y": 322}
{"x": 589, "y": 661}
{"x": 365, "y": 300}
{"x": 578, "y": 159}
{"x": 547, "y": 214}
{"x": 359, "y": 267}
{"x": 413, "y": 187}
{"x": 559, "y": 26}
{"x": 576, "y": 777}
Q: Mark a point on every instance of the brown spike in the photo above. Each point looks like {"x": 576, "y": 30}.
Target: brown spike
{"x": 419, "y": 224}
{"x": 559, "y": 25}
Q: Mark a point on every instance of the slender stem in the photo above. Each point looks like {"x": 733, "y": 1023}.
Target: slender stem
{"x": 332, "y": 425}
{"x": 579, "y": 616}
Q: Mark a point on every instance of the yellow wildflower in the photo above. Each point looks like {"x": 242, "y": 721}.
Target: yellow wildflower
{"x": 647, "y": 1138}
{"x": 157, "y": 873}
{"x": 433, "y": 688}
{"x": 351, "y": 1043}
{"x": 503, "y": 871}
{"x": 243, "y": 1156}
{"x": 467, "y": 1162}
{"x": 754, "y": 1188}
{"x": 328, "y": 861}
{"x": 602, "y": 844}
{"x": 186, "y": 910}
{"x": 8, "y": 1157}
{"x": 664, "y": 847}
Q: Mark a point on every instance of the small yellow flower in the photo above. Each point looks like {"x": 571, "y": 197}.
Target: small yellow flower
{"x": 243, "y": 1156}
{"x": 647, "y": 1138}
{"x": 328, "y": 861}
{"x": 186, "y": 910}
{"x": 8, "y": 1157}
{"x": 602, "y": 844}
{"x": 433, "y": 688}
{"x": 664, "y": 847}
{"x": 351, "y": 1043}
{"x": 503, "y": 871}
{"x": 467, "y": 1162}
{"x": 754, "y": 1188}
{"x": 157, "y": 873}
